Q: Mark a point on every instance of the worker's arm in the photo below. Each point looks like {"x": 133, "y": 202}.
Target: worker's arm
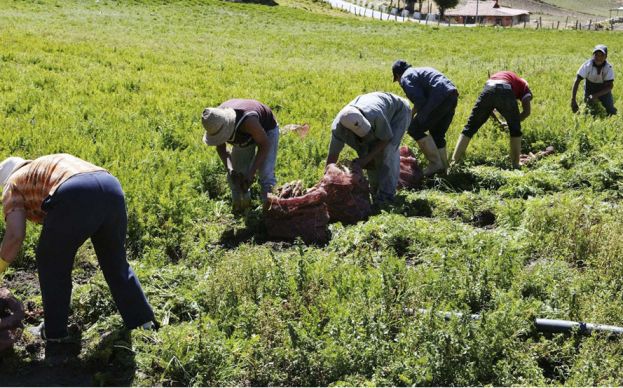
{"x": 377, "y": 149}
{"x": 253, "y": 127}
{"x": 574, "y": 92}
{"x": 497, "y": 120}
{"x": 525, "y": 108}
{"x": 332, "y": 158}
{"x": 608, "y": 85}
{"x": 225, "y": 156}
{"x": 13, "y": 237}
{"x": 335, "y": 148}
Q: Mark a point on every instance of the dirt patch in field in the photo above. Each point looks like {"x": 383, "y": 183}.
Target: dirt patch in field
{"x": 23, "y": 283}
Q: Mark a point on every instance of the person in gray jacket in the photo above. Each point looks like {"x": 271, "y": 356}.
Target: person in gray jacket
{"x": 373, "y": 125}
{"x": 434, "y": 99}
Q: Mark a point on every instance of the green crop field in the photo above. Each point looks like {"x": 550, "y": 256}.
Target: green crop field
{"x": 123, "y": 85}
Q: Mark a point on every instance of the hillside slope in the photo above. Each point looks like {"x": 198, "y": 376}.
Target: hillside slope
{"x": 123, "y": 85}
{"x": 563, "y": 8}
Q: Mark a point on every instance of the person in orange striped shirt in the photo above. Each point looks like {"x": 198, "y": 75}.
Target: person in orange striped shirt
{"x": 74, "y": 200}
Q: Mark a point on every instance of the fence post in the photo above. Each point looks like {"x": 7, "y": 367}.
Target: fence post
{"x": 590, "y": 23}
{"x": 524, "y": 23}
{"x": 566, "y": 21}
{"x": 558, "y": 25}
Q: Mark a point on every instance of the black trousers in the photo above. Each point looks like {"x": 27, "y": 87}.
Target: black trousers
{"x": 90, "y": 205}
{"x": 501, "y": 98}
{"x": 438, "y": 121}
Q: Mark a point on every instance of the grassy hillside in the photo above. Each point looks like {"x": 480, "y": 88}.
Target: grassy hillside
{"x": 597, "y": 7}
{"x": 123, "y": 84}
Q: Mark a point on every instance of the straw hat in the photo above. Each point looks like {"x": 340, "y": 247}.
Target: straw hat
{"x": 219, "y": 124}
{"x": 8, "y": 166}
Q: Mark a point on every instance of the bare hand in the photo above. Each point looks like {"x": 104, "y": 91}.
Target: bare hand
{"x": 574, "y": 106}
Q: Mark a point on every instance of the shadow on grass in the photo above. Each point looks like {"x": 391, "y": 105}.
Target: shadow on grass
{"x": 16, "y": 371}
{"x": 112, "y": 362}
{"x": 252, "y": 231}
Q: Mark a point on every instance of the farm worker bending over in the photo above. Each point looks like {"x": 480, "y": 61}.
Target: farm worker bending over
{"x": 246, "y": 125}
{"x": 373, "y": 125}
{"x": 599, "y": 77}
{"x": 74, "y": 200}
{"x": 499, "y": 93}
{"x": 434, "y": 99}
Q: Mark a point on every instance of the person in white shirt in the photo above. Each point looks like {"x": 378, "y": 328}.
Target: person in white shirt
{"x": 599, "y": 80}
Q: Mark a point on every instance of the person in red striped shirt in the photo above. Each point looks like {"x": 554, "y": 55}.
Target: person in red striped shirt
{"x": 500, "y": 94}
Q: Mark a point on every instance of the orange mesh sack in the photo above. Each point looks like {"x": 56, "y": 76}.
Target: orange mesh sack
{"x": 411, "y": 174}
{"x": 292, "y": 214}
{"x": 348, "y": 194}
{"x": 11, "y": 315}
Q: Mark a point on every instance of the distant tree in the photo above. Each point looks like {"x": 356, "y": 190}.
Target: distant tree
{"x": 445, "y": 4}
{"x": 411, "y": 5}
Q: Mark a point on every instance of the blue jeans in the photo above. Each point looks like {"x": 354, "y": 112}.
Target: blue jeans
{"x": 242, "y": 159}
{"x": 90, "y": 205}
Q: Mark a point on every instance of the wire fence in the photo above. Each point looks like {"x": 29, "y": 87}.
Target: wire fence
{"x": 381, "y": 12}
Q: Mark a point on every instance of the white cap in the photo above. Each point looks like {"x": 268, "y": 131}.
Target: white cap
{"x": 351, "y": 118}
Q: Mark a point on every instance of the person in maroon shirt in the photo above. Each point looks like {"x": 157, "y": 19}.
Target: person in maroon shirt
{"x": 247, "y": 125}
{"x": 500, "y": 93}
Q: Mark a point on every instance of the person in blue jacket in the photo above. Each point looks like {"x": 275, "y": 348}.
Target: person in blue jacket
{"x": 434, "y": 99}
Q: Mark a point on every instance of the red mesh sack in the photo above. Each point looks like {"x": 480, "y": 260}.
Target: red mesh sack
{"x": 11, "y": 316}
{"x": 348, "y": 194}
{"x": 411, "y": 174}
{"x": 303, "y": 216}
